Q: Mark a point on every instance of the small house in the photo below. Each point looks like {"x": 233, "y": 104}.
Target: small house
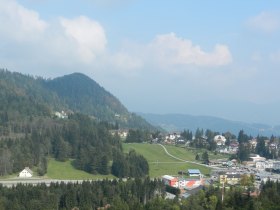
{"x": 170, "y": 180}
{"x": 194, "y": 172}
{"x": 26, "y": 173}
{"x": 230, "y": 178}
{"x": 233, "y": 179}
{"x": 256, "y": 158}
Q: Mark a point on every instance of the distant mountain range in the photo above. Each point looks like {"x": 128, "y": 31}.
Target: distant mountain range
{"x": 24, "y": 96}
{"x": 179, "y": 122}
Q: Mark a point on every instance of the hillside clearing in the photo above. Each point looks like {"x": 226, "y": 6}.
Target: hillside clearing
{"x": 65, "y": 170}
{"x": 160, "y": 163}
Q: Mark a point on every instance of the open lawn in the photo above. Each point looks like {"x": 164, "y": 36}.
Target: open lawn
{"x": 65, "y": 170}
{"x": 190, "y": 153}
{"x": 160, "y": 163}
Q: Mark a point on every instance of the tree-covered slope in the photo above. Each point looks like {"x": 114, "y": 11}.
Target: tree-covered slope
{"x": 30, "y": 132}
{"x": 23, "y": 96}
{"x": 82, "y": 94}
{"x": 85, "y": 95}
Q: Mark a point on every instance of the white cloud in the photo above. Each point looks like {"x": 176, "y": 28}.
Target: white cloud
{"x": 32, "y": 43}
{"x": 177, "y": 51}
{"x": 169, "y": 51}
{"x": 267, "y": 22}
{"x": 88, "y": 35}
{"x": 80, "y": 43}
{"x": 18, "y": 22}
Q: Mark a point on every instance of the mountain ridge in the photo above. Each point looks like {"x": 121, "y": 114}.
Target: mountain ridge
{"x": 25, "y": 96}
{"x": 179, "y": 122}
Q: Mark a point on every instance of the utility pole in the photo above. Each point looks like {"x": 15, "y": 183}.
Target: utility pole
{"x": 223, "y": 191}
{"x": 223, "y": 188}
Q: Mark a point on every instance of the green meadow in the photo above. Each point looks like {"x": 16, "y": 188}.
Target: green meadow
{"x": 160, "y": 163}
{"x": 65, "y": 170}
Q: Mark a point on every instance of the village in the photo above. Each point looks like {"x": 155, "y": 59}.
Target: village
{"x": 225, "y": 172}
{"x": 249, "y": 174}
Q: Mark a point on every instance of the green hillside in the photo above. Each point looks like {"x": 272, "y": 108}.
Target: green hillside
{"x": 82, "y": 94}
{"x": 160, "y": 163}
{"x": 30, "y": 132}
{"x": 24, "y": 96}
{"x": 66, "y": 170}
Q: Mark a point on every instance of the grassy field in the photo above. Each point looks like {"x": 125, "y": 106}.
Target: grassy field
{"x": 160, "y": 163}
{"x": 65, "y": 170}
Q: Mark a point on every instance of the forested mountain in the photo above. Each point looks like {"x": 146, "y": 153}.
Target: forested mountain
{"x": 30, "y": 132}
{"x": 83, "y": 94}
{"x": 179, "y": 122}
{"x": 23, "y": 95}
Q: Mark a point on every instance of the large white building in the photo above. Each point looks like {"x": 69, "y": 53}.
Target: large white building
{"x": 262, "y": 165}
{"x": 269, "y": 164}
{"x": 220, "y": 140}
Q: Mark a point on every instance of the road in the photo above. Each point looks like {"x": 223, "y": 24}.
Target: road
{"x": 35, "y": 181}
{"x": 186, "y": 161}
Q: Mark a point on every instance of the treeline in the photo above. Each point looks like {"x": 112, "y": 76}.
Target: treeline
{"x": 81, "y": 138}
{"x": 267, "y": 147}
{"x": 115, "y": 194}
{"x": 138, "y": 136}
{"x": 23, "y": 96}
{"x": 130, "y": 165}
{"x": 133, "y": 194}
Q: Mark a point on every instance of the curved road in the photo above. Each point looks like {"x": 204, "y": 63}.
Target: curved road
{"x": 186, "y": 161}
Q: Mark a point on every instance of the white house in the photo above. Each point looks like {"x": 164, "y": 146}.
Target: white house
{"x": 220, "y": 140}
{"x": 26, "y": 173}
{"x": 276, "y": 165}
{"x": 256, "y": 158}
{"x": 61, "y": 115}
{"x": 262, "y": 165}
{"x": 253, "y": 143}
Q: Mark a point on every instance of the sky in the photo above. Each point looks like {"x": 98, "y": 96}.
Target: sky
{"x": 217, "y": 58}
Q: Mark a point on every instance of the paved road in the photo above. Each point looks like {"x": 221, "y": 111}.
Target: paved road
{"x": 186, "y": 161}
{"x": 34, "y": 181}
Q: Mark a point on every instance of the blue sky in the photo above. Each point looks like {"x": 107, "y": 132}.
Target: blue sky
{"x": 218, "y": 58}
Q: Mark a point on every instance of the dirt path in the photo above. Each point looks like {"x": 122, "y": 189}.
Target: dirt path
{"x": 186, "y": 161}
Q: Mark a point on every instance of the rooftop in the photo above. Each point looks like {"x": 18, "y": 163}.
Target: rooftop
{"x": 194, "y": 171}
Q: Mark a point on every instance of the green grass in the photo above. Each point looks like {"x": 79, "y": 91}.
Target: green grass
{"x": 212, "y": 156}
{"x": 152, "y": 152}
{"x": 65, "y": 170}
{"x": 181, "y": 153}
{"x": 160, "y": 163}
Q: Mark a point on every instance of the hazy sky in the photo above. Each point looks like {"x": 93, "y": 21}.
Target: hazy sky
{"x": 197, "y": 57}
